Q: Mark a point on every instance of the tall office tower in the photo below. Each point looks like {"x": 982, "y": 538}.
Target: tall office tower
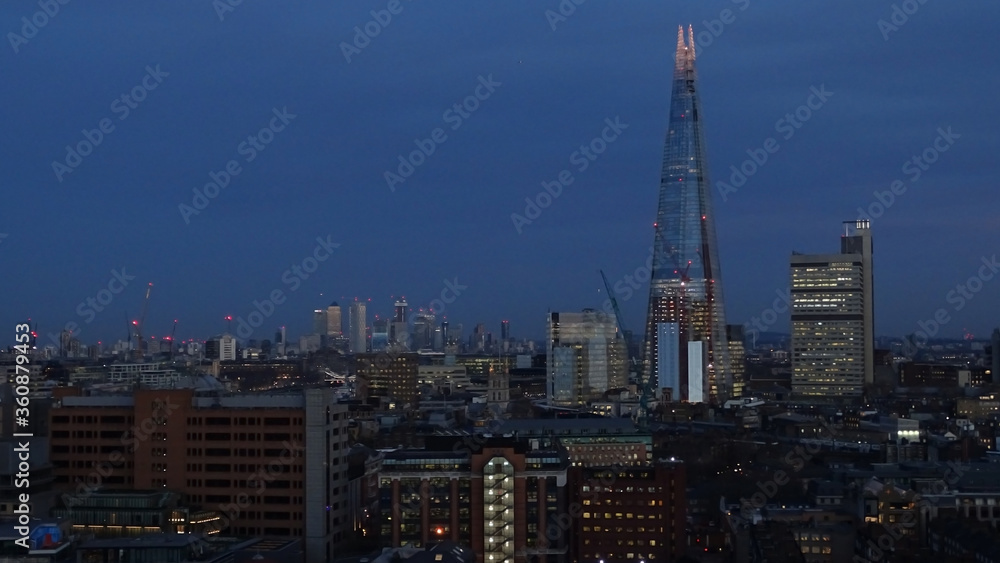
{"x": 319, "y": 322}
{"x": 736, "y": 338}
{"x": 380, "y": 335}
{"x": 422, "y": 333}
{"x": 279, "y": 341}
{"x": 399, "y": 333}
{"x": 685, "y": 345}
{"x": 359, "y": 327}
{"x": 504, "y": 330}
{"x": 399, "y": 311}
{"x": 585, "y": 357}
{"x": 832, "y": 317}
{"x": 334, "y": 327}
{"x": 478, "y": 343}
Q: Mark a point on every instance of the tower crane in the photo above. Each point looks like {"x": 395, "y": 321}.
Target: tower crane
{"x": 138, "y": 327}
{"x": 645, "y": 388}
{"x": 173, "y": 331}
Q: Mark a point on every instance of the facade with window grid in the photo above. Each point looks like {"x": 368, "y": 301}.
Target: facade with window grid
{"x": 502, "y": 497}
{"x": 629, "y": 514}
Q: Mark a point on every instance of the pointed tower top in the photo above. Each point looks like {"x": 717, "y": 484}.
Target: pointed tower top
{"x": 680, "y": 39}
{"x": 691, "y": 40}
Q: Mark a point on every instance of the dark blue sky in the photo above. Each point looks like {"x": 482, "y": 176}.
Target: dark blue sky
{"x": 323, "y": 174}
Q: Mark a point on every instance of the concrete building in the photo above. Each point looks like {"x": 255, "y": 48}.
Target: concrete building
{"x": 585, "y": 356}
{"x": 832, "y": 318}
{"x": 222, "y": 348}
{"x": 358, "y": 327}
{"x": 274, "y": 464}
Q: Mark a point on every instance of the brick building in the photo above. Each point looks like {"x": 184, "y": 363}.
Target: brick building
{"x": 273, "y": 464}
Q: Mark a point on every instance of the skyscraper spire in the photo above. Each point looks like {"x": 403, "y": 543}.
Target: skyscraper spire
{"x": 686, "y": 347}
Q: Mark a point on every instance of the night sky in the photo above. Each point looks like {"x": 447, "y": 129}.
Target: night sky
{"x": 209, "y": 84}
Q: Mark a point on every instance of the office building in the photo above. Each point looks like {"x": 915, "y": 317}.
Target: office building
{"x": 832, "y": 318}
{"x": 585, "y": 356}
{"x": 380, "y": 335}
{"x": 359, "y": 327}
{"x": 274, "y": 463}
{"x": 334, "y": 328}
{"x": 221, "y": 348}
{"x": 389, "y": 380}
{"x": 319, "y": 322}
{"x": 685, "y": 345}
{"x": 629, "y": 514}
{"x": 737, "y": 357}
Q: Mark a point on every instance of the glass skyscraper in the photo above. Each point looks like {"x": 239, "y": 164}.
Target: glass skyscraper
{"x": 685, "y": 347}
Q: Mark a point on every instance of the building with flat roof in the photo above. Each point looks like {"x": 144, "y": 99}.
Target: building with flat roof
{"x": 274, "y": 464}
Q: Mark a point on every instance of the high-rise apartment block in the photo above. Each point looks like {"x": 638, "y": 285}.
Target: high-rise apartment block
{"x": 586, "y": 357}
{"x": 685, "y": 348}
{"x": 833, "y": 318}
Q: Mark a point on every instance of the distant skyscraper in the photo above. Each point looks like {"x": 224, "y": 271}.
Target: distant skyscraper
{"x": 334, "y": 327}
{"x": 279, "y": 341}
{"x": 504, "y": 330}
{"x": 319, "y": 322}
{"x": 398, "y": 331}
{"x": 359, "y": 327}
{"x": 685, "y": 294}
{"x": 422, "y": 336}
{"x": 585, "y": 356}
{"x": 832, "y": 318}
{"x": 380, "y": 335}
{"x": 737, "y": 357}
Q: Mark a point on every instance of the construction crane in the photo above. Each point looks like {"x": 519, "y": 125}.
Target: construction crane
{"x": 645, "y": 389}
{"x": 138, "y": 354}
{"x": 173, "y": 331}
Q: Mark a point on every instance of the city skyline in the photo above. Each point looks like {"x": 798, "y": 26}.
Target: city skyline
{"x": 117, "y": 215}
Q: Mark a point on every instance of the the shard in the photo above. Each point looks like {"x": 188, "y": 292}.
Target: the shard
{"x": 686, "y": 350}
